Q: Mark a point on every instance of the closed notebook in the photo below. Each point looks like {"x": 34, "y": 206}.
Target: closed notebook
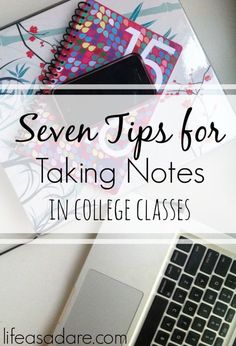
{"x": 97, "y": 35}
{"x": 168, "y": 19}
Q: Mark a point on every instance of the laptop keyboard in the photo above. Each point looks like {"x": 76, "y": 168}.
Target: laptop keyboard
{"x": 195, "y": 302}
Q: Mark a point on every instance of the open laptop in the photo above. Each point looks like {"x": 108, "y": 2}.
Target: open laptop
{"x": 164, "y": 287}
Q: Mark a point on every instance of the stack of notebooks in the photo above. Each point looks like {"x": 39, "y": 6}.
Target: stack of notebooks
{"x": 71, "y": 39}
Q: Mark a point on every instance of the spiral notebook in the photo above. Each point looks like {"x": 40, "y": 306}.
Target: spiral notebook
{"x": 97, "y": 35}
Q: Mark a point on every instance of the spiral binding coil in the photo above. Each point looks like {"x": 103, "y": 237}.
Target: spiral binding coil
{"x": 79, "y": 14}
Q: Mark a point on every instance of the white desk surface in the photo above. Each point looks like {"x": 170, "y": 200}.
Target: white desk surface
{"x": 36, "y": 279}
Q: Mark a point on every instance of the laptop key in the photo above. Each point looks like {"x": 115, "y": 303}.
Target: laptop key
{"x": 219, "y": 342}
{"x": 210, "y": 296}
{"x": 185, "y": 281}
{"x": 162, "y": 338}
{"x": 230, "y": 315}
{"x": 166, "y": 287}
{"x": 214, "y": 323}
{"x": 224, "y": 330}
{"x": 152, "y": 321}
{"x": 209, "y": 261}
{"x": 208, "y": 337}
{"x": 184, "y": 322}
{"x": 220, "y": 309}
{"x": 179, "y": 258}
{"x": 201, "y": 280}
{"x": 190, "y": 308}
{"x": 233, "y": 304}
{"x": 226, "y": 295}
{"x": 180, "y": 295}
{"x": 186, "y": 247}
{"x": 233, "y": 267}
{"x": 216, "y": 282}
{"x": 196, "y": 294}
{"x": 204, "y": 310}
{"x": 192, "y": 338}
{"x": 223, "y": 265}
{"x": 195, "y": 259}
{"x": 173, "y": 272}
{"x": 174, "y": 310}
{"x": 168, "y": 324}
{"x": 198, "y": 324}
{"x": 231, "y": 281}
{"x": 178, "y": 336}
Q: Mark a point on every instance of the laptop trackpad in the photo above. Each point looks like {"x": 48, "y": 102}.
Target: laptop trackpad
{"x": 104, "y": 306}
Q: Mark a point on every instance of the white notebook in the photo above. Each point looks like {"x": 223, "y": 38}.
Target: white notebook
{"x": 27, "y": 45}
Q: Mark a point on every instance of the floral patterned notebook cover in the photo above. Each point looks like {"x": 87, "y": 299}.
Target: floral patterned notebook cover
{"x": 27, "y": 46}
